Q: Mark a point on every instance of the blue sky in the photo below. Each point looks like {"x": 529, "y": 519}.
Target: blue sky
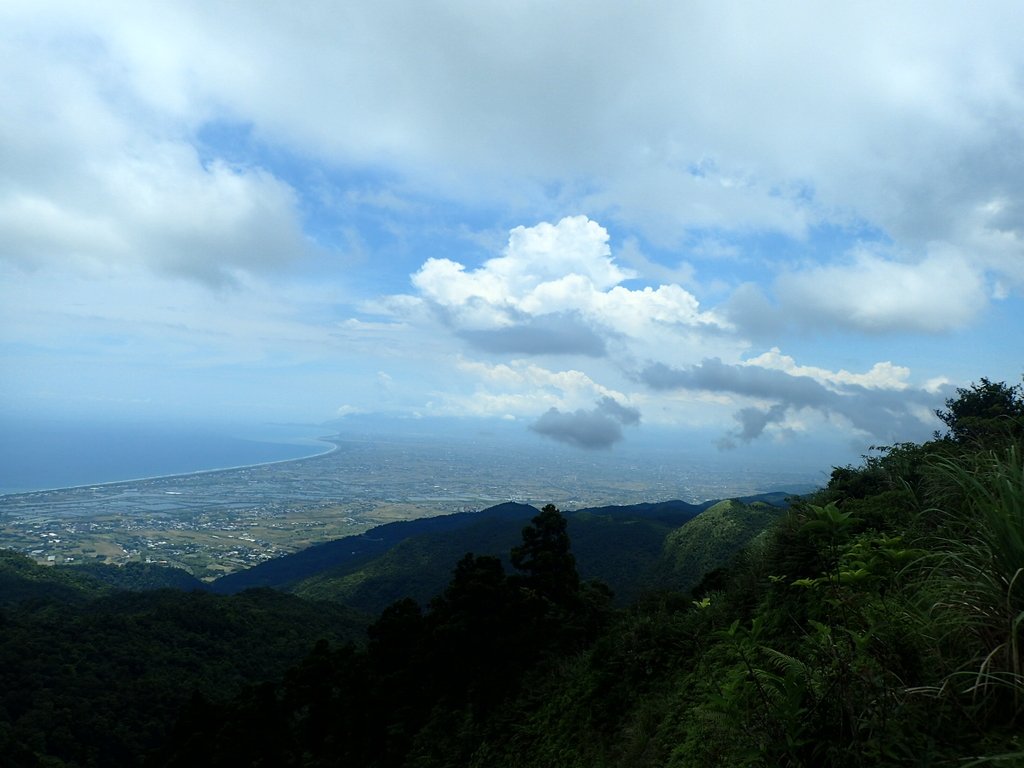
{"x": 769, "y": 225}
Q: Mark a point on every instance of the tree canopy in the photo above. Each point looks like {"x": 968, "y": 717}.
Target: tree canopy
{"x": 984, "y": 411}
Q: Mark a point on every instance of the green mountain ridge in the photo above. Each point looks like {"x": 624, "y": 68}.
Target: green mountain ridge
{"x": 618, "y": 545}
{"x": 711, "y": 539}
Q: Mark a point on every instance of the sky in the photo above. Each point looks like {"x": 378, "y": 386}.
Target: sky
{"x": 746, "y": 226}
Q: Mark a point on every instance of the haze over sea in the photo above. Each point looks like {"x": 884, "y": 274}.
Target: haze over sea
{"x": 37, "y": 455}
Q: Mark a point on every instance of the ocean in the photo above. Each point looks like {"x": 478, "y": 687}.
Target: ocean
{"x": 39, "y": 455}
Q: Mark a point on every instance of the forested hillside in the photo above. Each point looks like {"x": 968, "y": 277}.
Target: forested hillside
{"x": 93, "y": 675}
{"x": 878, "y": 623}
{"x": 616, "y": 545}
{"x": 626, "y": 547}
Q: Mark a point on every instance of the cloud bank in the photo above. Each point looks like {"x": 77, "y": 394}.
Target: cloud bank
{"x": 884, "y": 410}
{"x": 912, "y": 134}
{"x": 868, "y": 292}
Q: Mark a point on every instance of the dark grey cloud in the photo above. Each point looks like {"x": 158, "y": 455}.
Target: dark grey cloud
{"x": 600, "y": 427}
{"x": 888, "y": 415}
{"x": 553, "y": 334}
{"x": 715, "y": 376}
{"x": 754, "y": 420}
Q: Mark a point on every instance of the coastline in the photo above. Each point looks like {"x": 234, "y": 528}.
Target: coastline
{"x": 330, "y": 440}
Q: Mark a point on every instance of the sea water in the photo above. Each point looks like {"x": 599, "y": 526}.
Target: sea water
{"x": 38, "y": 455}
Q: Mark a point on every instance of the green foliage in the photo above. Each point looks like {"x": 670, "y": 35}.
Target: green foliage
{"x": 545, "y": 558}
{"x": 99, "y": 680}
{"x": 710, "y": 540}
{"x": 985, "y": 412}
{"x": 21, "y": 580}
{"x": 430, "y": 684}
{"x": 138, "y": 576}
{"x": 618, "y": 546}
{"x": 981, "y": 563}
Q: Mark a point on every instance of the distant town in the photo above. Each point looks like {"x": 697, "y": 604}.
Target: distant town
{"x": 212, "y": 523}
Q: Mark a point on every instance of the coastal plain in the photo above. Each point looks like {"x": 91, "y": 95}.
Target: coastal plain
{"x": 217, "y": 522}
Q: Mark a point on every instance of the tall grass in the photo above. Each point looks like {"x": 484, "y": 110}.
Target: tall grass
{"x": 980, "y": 574}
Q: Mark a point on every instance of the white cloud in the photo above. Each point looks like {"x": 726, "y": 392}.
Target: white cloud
{"x": 568, "y": 389}
{"x": 873, "y": 293}
{"x": 892, "y": 114}
{"x": 163, "y": 211}
{"x": 523, "y": 390}
{"x": 881, "y": 376}
{"x": 546, "y": 268}
{"x": 901, "y": 117}
{"x": 92, "y": 181}
{"x": 565, "y": 270}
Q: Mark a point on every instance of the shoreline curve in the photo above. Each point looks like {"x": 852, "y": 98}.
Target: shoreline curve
{"x": 324, "y": 439}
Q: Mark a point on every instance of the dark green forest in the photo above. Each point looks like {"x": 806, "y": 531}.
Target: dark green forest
{"x": 877, "y": 622}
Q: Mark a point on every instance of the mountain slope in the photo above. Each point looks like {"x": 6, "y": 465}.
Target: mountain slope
{"x": 137, "y": 576}
{"x": 618, "y": 545}
{"x": 615, "y": 545}
{"x": 710, "y": 539}
{"x": 21, "y": 580}
{"x": 91, "y": 675}
{"x": 352, "y": 552}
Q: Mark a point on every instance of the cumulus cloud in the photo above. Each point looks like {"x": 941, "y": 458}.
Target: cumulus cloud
{"x": 881, "y": 375}
{"x": 599, "y": 427}
{"x": 545, "y": 268}
{"x": 517, "y": 303}
{"x": 556, "y": 290}
{"x": 886, "y": 411}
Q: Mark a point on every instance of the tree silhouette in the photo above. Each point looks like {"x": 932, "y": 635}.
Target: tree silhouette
{"x": 546, "y": 559}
